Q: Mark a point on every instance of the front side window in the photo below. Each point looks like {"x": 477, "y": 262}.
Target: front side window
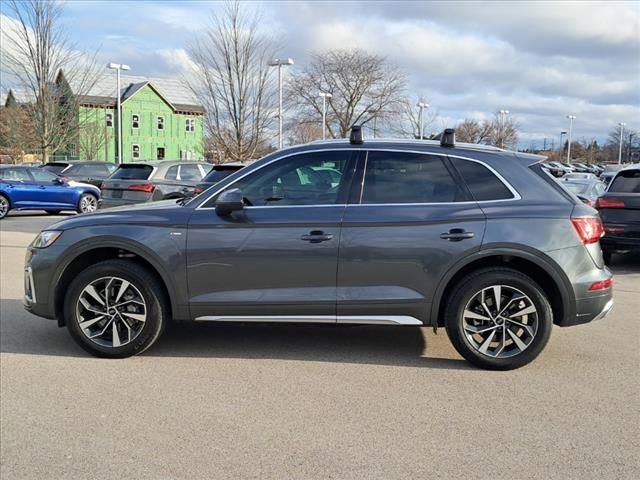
{"x": 135, "y": 121}
{"x": 404, "y": 177}
{"x": 108, "y": 120}
{"x": 482, "y": 182}
{"x": 298, "y": 180}
{"x": 135, "y": 151}
{"x": 42, "y": 176}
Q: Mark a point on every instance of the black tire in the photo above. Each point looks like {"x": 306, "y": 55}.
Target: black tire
{"x": 5, "y": 206}
{"x": 469, "y": 288}
{"x": 607, "y": 257}
{"x": 144, "y": 281}
{"x": 53, "y": 212}
{"x": 85, "y": 200}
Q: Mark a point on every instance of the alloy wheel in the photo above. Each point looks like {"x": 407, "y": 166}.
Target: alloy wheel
{"x": 88, "y": 204}
{"x": 500, "y": 321}
{"x": 4, "y": 206}
{"x": 111, "y": 312}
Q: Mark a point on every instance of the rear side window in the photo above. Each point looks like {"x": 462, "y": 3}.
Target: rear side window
{"x": 88, "y": 169}
{"x": 402, "y": 177}
{"x": 15, "y": 174}
{"x": 627, "y": 181}
{"x": 190, "y": 172}
{"x": 132, "y": 172}
{"x": 172, "y": 173}
{"x": 482, "y": 182}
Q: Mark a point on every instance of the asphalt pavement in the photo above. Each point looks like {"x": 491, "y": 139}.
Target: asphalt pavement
{"x": 306, "y": 402}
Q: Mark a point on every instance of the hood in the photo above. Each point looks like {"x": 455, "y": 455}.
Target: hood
{"x": 166, "y": 213}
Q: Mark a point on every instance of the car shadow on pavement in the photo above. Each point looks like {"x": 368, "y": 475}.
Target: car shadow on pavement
{"x": 23, "y": 333}
{"x": 624, "y": 264}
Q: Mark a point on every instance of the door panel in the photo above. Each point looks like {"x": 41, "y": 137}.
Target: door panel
{"x": 262, "y": 262}
{"x": 279, "y": 255}
{"x": 393, "y": 253}
{"x": 49, "y": 193}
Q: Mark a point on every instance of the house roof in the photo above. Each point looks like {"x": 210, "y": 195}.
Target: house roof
{"x": 103, "y": 93}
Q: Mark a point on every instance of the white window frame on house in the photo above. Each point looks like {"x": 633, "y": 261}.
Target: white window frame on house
{"x": 160, "y": 122}
{"x": 133, "y": 121}
{"x": 108, "y": 119}
{"x": 134, "y": 155}
{"x": 190, "y": 124}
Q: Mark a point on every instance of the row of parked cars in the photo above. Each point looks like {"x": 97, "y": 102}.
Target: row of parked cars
{"x": 85, "y": 186}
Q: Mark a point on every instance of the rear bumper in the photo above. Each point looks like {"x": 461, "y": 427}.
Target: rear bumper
{"x": 591, "y": 308}
{"x": 612, "y": 243}
{"x": 109, "y": 203}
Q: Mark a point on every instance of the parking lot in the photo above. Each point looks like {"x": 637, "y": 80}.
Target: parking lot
{"x": 216, "y": 401}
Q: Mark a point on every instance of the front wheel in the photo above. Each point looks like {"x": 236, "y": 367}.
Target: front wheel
{"x": 88, "y": 203}
{"x": 5, "y": 206}
{"x": 498, "y": 319}
{"x": 114, "y": 309}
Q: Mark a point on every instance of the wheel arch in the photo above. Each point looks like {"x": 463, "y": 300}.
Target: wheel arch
{"x": 538, "y": 266}
{"x": 95, "y": 250}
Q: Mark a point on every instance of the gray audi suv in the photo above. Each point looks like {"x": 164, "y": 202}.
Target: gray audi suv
{"x": 479, "y": 240}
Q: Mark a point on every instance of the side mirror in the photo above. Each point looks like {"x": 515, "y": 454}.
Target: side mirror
{"x": 229, "y": 202}
{"x": 58, "y": 181}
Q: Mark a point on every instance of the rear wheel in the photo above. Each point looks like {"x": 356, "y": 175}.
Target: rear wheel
{"x": 88, "y": 203}
{"x": 114, "y": 309}
{"x": 498, "y": 319}
{"x": 5, "y": 206}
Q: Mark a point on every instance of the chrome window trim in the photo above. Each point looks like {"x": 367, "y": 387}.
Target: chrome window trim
{"x": 516, "y": 195}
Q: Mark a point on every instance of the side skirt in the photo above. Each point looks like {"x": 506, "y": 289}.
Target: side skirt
{"x": 350, "y": 319}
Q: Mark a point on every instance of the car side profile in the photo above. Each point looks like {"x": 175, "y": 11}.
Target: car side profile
{"x": 477, "y": 239}
{"x": 33, "y": 188}
{"x": 92, "y": 172}
{"x": 151, "y": 181}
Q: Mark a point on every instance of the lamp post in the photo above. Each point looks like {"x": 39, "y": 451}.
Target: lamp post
{"x": 503, "y": 118}
{"x": 324, "y": 96}
{"x": 278, "y": 62}
{"x": 421, "y": 106}
{"x": 621, "y": 124}
{"x": 118, "y": 67}
{"x": 562, "y": 132}
{"x": 571, "y": 119}
{"x": 629, "y": 150}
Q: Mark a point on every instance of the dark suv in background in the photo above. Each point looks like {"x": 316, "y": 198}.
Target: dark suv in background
{"x": 620, "y": 211}
{"x": 150, "y": 181}
{"x": 92, "y": 172}
{"x": 476, "y": 239}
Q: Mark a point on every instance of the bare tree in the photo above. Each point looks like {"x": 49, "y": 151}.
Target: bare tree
{"x": 363, "y": 87}
{"x": 406, "y": 121}
{"x": 35, "y": 53}
{"x": 232, "y": 80}
{"x": 504, "y": 132}
{"x": 301, "y": 131}
{"x": 92, "y": 136}
{"x": 471, "y": 130}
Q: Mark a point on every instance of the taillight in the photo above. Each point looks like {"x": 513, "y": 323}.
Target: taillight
{"x": 608, "y": 203}
{"x": 143, "y": 187}
{"x": 589, "y": 229}
{"x": 601, "y": 285}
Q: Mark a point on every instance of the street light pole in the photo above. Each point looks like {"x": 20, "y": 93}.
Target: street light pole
{"x": 276, "y": 62}
{"x": 622, "y": 124}
{"x": 324, "y": 96}
{"x": 117, "y": 67}
{"x": 562, "y": 132}
{"x": 571, "y": 119}
{"x": 503, "y": 116}
{"x": 421, "y": 106}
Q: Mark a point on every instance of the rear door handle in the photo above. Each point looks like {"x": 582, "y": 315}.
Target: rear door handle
{"x": 456, "y": 234}
{"x": 316, "y": 236}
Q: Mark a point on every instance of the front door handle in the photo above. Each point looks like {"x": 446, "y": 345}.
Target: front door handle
{"x": 316, "y": 236}
{"x": 456, "y": 234}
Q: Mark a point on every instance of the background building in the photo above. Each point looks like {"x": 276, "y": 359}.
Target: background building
{"x": 161, "y": 119}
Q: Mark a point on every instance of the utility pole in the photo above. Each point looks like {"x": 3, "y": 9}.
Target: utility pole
{"x": 421, "y": 106}
{"x": 324, "y": 96}
{"x": 571, "y": 119}
{"x": 117, "y": 67}
{"x": 622, "y": 124}
{"x": 276, "y": 62}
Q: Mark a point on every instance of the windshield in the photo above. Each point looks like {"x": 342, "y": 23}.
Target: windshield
{"x": 577, "y": 188}
{"x": 132, "y": 172}
{"x": 626, "y": 182}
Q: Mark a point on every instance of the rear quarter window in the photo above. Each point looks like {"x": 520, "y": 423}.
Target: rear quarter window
{"x": 132, "y": 172}
{"x": 482, "y": 182}
{"x": 627, "y": 181}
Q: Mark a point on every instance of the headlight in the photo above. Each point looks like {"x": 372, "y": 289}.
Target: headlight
{"x": 46, "y": 238}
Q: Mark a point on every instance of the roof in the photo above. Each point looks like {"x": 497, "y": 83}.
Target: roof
{"x": 176, "y": 92}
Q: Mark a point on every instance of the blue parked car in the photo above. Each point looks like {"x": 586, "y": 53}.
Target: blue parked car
{"x": 32, "y": 188}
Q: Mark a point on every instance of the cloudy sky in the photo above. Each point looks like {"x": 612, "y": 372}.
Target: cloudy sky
{"x": 539, "y": 60}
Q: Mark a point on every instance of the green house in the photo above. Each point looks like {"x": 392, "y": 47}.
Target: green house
{"x": 161, "y": 119}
